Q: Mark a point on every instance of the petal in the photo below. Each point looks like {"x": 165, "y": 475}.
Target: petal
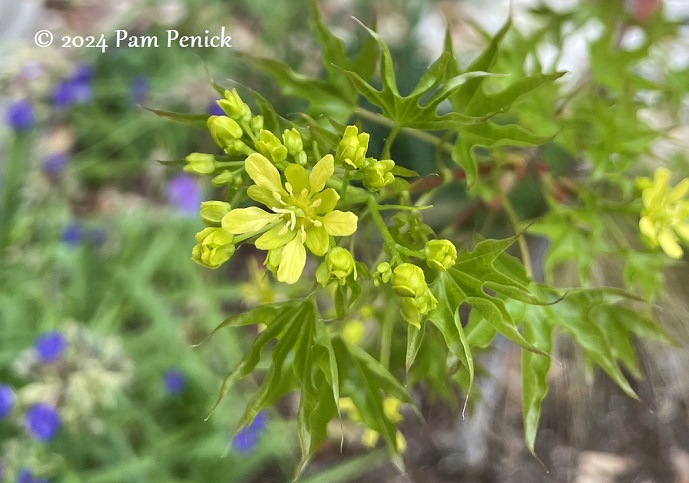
{"x": 262, "y": 195}
{"x": 275, "y": 237}
{"x": 296, "y": 176}
{"x": 647, "y": 228}
{"x": 263, "y": 172}
{"x": 328, "y": 199}
{"x": 682, "y": 231}
{"x": 317, "y": 240}
{"x": 321, "y": 173}
{"x": 247, "y": 220}
{"x": 339, "y": 223}
{"x": 292, "y": 261}
{"x": 668, "y": 242}
{"x": 678, "y": 191}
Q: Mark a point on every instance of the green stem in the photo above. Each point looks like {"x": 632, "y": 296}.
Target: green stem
{"x": 521, "y": 241}
{"x": 15, "y": 170}
{"x": 229, "y": 164}
{"x": 385, "y": 154}
{"x": 345, "y": 184}
{"x": 417, "y": 133}
{"x": 386, "y": 339}
{"x": 382, "y": 228}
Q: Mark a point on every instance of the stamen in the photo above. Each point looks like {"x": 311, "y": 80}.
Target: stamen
{"x": 283, "y": 230}
{"x": 317, "y": 203}
{"x": 294, "y": 220}
{"x": 305, "y": 192}
{"x": 317, "y": 223}
{"x": 289, "y": 188}
{"x": 277, "y": 196}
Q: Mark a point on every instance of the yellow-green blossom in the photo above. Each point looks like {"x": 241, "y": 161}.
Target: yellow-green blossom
{"x": 440, "y": 254}
{"x": 301, "y": 212}
{"x": 338, "y": 265}
{"x": 224, "y": 130}
{"x": 351, "y": 151}
{"x": 377, "y": 174}
{"x": 235, "y": 107}
{"x": 391, "y": 408}
{"x": 665, "y": 215}
{"x": 213, "y": 211}
{"x": 416, "y": 299}
{"x": 215, "y": 247}
{"x": 200, "y": 163}
{"x": 354, "y": 331}
{"x": 270, "y": 146}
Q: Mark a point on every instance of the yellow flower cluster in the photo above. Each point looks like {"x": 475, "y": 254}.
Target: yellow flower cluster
{"x": 665, "y": 214}
{"x": 391, "y": 408}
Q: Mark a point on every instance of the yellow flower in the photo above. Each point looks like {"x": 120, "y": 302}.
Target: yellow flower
{"x": 665, "y": 215}
{"x": 300, "y": 213}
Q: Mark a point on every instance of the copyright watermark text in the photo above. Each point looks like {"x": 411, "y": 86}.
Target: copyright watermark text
{"x": 122, "y": 39}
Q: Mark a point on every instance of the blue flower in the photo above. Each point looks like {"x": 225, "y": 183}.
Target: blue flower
{"x": 139, "y": 87}
{"x": 185, "y": 194}
{"x": 72, "y": 234}
{"x": 6, "y": 400}
{"x": 214, "y": 109}
{"x": 247, "y": 437}
{"x": 20, "y": 115}
{"x": 42, "y": 421}
{"x": 54, "y": 163}
{"x": 50, "y": 345}
{"x": 174, "y": 382}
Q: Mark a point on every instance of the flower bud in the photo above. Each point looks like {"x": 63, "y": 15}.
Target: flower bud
{"x": 238, "y": 147}
{"x": 213, "y": 211}
{"x": 200, "y": 163}
{"x": 293, "y": 141}
{"x": 338, "y": 265}
{"x": 224, "y": 130}
{"x": 270, "y": 146}
{"x": 225, "y": 177}
{"x": 216, "y": 246}
{"x": 377, "y": 174}
{"x": 408, "y": 280}
{"x": 440, "y": 254}
{"x": 234, "y": 107}
{"x": 256, "y": 123}
{"x": 382, "y": 274}
{"x": 351, "y": 151}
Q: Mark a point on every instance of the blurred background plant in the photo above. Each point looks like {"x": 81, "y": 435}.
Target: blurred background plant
{"x": 100, "y": 302}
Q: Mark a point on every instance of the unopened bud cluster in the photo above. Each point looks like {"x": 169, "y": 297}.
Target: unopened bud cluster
{"x": 351, "y": 153}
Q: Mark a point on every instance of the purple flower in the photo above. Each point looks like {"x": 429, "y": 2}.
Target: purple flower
{"x": 74, "y": 90}
{"x": 20, "y": 115}
{"x": 54, "y": 163}
{"x": 97, "y": 236}
{"x": 72, "y": 234}
{"x": 50, "y": 345}
{"x": 247, "y": 437}
{"x": 139, "y": 87}
{"x": 82, "y": 73}
{"x": 174, "y": 382}
{"x": 6, "y": 400}
{"x": 25, "y": 476}
{"x": 214, "y": 109}
{"x": 185, "y": 194}
{"x": 42, "y": 421}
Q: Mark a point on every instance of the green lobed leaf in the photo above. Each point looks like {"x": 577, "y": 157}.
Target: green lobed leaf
{"x": 535, "y": 367}
{"x": 366, "y": 382}
{"x": 414, "y": 340}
